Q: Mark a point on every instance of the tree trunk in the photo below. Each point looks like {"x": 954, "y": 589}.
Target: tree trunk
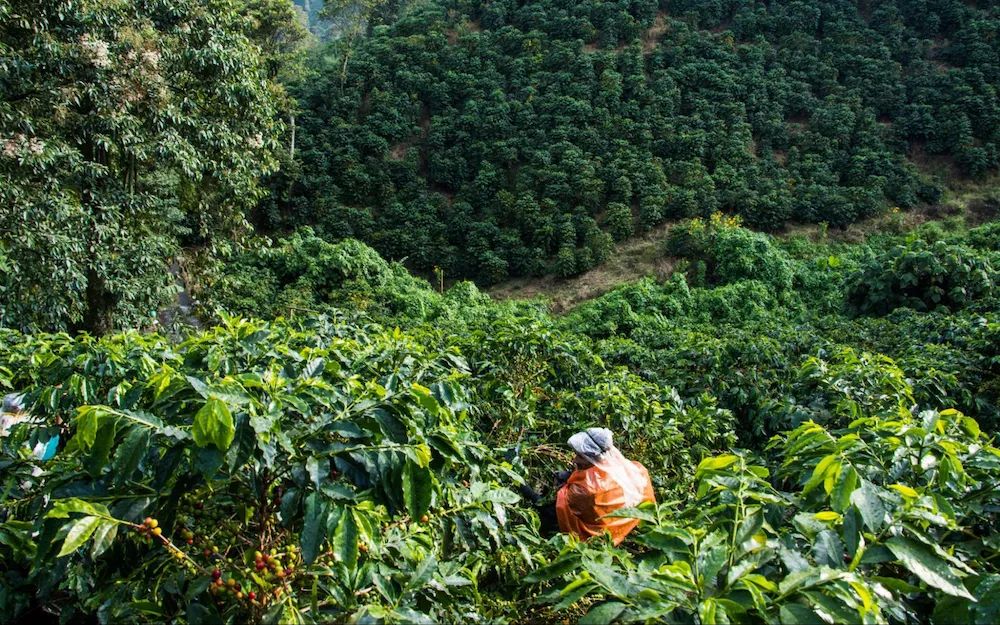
{"x": 291, "y": 148}
{"x": 98, "y": 318}
{"x": 99, "y": 302}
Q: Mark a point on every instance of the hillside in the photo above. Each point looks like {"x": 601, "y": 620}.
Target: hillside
{"x": 829, "y": 407}
{"x": 647, "y": 255}
{"x": 247, "y": 379}
{"x": 518, "y": 139}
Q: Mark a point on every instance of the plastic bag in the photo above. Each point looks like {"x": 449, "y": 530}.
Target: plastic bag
{"x": 611, "y": 483}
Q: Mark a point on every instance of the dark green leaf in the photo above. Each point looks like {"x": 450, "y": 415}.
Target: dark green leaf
{"x": 828, "y": 549}
{"x": 870, "y": 505}
{"x": 314, "y": 528}
{"x": 928, "y": 566}
{"x": 557, "y": 568}
{"x": 129, "y": 454}
{"x": 417, "y": 489}
{"x": 101, "y": 449}
{"x": 603, "y": 613}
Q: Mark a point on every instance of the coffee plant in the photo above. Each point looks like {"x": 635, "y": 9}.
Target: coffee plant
{"x": 365, "y": 460}
{"x": 254, "y": 472}
{"x": 923, "y": 277}
{"x": 886, "y": 520}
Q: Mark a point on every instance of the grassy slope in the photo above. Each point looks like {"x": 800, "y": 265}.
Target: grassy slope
{"x": 643, "y": 256}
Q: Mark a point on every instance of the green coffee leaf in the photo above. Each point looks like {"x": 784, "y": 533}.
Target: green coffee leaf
{"x": 603, "y": 613}
{"x": 345, "y": 540}
{"x": 557, "y": 568}
{"x": 827, "y": 464}
{"x": 62, "y": 508}
{"x": 417, "y": 489}
{"x": 101, "y": 449}
{"x": 104, "y": 535}
{"x": 869, "y": 504}
{"x": 87, "y": 418}
{"x": 314, "y": 528}
{"x": 420, "y": 454}
{"x": 130, "y": 454}
{"x": 213, "y": 425}
{"x": 79, "y": 531}
{"x": 925, "y": 564}
{"x": 716, "y": 463}
{"x": 846, "y": 483}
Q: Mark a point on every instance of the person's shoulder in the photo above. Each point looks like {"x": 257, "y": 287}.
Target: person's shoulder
{"x": 584, "y": 477}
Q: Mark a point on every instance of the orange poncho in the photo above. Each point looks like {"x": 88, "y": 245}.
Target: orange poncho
{"x": 591, "y": 493}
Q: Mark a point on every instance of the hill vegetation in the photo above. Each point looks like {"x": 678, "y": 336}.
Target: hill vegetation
{"x": 817, "y": 456}
{"x": 518, "y": 139}
{"x": 345, "y": 441}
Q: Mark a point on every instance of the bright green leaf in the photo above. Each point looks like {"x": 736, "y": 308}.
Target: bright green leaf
{"x": 213, "y": 425}
{"x": 79, "y": 531}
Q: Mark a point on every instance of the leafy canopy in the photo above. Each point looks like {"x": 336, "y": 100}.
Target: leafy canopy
{"x": 125, "y": 126}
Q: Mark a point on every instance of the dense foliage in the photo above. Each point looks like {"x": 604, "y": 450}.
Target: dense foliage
{"x": 752, "y": 340}
{"x": 923, "y": 277}
{"x": 364, "y": 467}
{"x": 888, "y": 493}
{"x": 125, "y": 128}
{"x": 304, "y": 273}
{"x": 319, "y": 435}
{"x": 811, "y": 464}
{"x": 511, "y": 138}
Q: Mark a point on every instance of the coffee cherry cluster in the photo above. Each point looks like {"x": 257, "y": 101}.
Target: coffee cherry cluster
{"x": 212, "y": 539}
{"x": 266, "y": 578}
{"x": 271, "y": 564}
{"x": 280, "y": 562}
{"x": 150, "y": 528}
{"x": 229, "y": 587}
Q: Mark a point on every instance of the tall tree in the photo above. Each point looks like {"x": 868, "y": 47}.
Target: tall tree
{"x": 124, "y": 125}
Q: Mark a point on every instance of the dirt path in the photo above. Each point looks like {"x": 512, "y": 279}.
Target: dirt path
{"x": 645, "y": 255}
{"x": 631, "y": 259}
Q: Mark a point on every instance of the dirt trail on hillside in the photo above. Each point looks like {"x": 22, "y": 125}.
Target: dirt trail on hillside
{"x": 645, "y": 255}
{"x": 631, "y": 259}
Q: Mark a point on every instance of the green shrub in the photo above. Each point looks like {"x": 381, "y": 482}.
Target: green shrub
{"x": 326, "y": 436}
{"x": 731, "y": 253}
{"x": 304, "y": 273}
{"x": 986, "y": 237}
{"x": 739, "y": 302}
{"x": 345, "y": 452}
{"x": 847, "y": 385}
{"x": 922, "y": 276}
{"x": 618, "y": 221}
{"x": 880, "y": 521}
{"x": 629, "y": 307}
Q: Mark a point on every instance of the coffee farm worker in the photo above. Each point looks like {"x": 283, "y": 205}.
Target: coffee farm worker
{"x": 604, "y": 481}
{"x": 43, "y": 443}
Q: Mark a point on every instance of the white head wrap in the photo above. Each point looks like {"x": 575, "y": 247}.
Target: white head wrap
{"x": 597, "y": 446}
{"x": 13, "y": 403}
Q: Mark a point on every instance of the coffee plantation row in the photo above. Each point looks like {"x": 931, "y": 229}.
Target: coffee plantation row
{"x": 361, "y": 460}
